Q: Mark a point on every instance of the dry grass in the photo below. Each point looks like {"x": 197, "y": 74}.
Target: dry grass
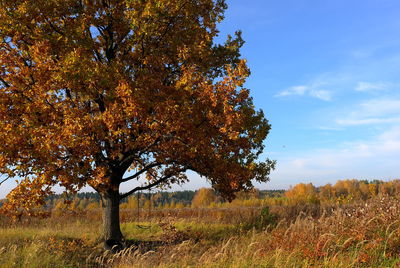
{"x": 359, "y": 235}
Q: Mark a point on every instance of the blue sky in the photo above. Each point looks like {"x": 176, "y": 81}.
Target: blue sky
{"x": 326, "y": 74}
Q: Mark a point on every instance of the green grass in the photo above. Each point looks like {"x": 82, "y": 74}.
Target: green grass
{"x": 144, "y": 231}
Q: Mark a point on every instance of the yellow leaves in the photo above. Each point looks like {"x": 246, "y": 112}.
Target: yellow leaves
{"x": 91, "y": 3}
{"x": 302, "y": 193}
{"x": 149, "y": 85}
{"x": 22, "y": 8}
{"x": 3, "y": 161}
{"x": 233, "y": 135}
{"x": 101, "y": 179}
{"x": 184, "y": 53}
{"x": 29, "y": 195}
{"x": 204, "y": 197}
{"x": 237, "y": 76}
{"x": 41, "y": 50}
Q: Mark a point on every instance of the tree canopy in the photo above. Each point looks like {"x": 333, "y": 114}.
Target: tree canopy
{"x": 90, "y": 90}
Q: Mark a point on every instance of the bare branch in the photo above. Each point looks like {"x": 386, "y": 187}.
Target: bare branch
{"x": 150, "y": 185}
{"x": 52, "y": 26}
{"x": 96, "y": 52}
{"x": 143, "y": 170}
{"x": 4, "y": 180}
{"x": 146, "y": 149}
{"x": 5, "y": 83}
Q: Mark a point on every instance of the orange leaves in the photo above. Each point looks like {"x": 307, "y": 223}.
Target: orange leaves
{"x": 100, "y": 180}
{"x": 204, "y": 197}
{"x": 302, "y": 193}
{"x": 27, "y": 197}
{"x": 96, "y": 87}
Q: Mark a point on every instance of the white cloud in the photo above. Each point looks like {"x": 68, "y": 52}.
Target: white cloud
{"x": 307, "y": 90}
{"x": 366, "y": 75}
{"x": 328, "y": 128}
{"x": 372, "y": 112}
{"x": 376, "y": 158}
{"x": 366, "y": 86}
{"x": 296, "y": 90}
{"x": 321, "y": 94}
{"x": 380, "y": 107}
{"x": 390, "y": 140}
{"x": 367, "y": 121}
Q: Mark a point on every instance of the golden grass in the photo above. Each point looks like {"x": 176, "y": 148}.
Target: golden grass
{"x": 359, "y": 235}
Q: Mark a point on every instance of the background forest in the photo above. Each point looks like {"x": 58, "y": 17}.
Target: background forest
{"x": 342, "y": 192}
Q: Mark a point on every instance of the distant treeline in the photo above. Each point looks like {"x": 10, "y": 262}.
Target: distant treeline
{"x": 162, "y": 197}
{"x": 156, "y": 199}
{"x": 342, "y": 192}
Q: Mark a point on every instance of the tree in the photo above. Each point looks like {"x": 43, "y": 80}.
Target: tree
{"x": 101, "y": 92}
{"x": 303, "y": 193}
{"x": 203, "y": 197}
{"x": 326, "y": 193}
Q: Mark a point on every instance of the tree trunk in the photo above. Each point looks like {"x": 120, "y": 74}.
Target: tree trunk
{"x": 113, "y": 238}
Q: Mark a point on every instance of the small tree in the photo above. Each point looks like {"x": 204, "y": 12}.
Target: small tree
{"x": 93, "y": 89}
{"x": 203, "y": 197}
{"x": 302, "y": 193}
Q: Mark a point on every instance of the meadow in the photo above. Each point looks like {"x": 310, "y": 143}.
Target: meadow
{"x": 280, "y": 231}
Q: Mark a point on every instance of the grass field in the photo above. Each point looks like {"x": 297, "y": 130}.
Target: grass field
{"x": 363, "y": 234}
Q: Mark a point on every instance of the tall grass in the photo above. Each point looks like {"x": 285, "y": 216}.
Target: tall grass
{"x": 364, "y": 234}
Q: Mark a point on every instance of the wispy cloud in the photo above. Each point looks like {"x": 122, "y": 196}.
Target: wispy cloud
{"x": 376, "y": 158}
{"x": 328, "y": 128}
{"x": 366, "y": 74}
{"x": 306, "y": 90}
{"x": 372, "y": 112}
{"x": 325, "y": 95}
{"x": 368, "y": 121}
{"x": 367, "y": 86}
{"x": 296, "y": 90}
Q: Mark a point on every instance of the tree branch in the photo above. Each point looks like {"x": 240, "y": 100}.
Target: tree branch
{"x": 96, "y": 52}
{"x": 4, "y": 180}
{"x": 170, "y": 23}
{"x": 52, "y": 26}
{"x": 143, "y": 170}
{"x": 150, "y": 185}
{"x": 5, "y": 83}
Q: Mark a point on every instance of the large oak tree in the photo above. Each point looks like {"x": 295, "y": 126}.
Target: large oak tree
{"x": 108, "y": 91}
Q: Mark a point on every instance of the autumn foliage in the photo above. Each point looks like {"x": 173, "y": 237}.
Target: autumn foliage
{"x": 204, "y": 197}
{"x": 91, "y": 90}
